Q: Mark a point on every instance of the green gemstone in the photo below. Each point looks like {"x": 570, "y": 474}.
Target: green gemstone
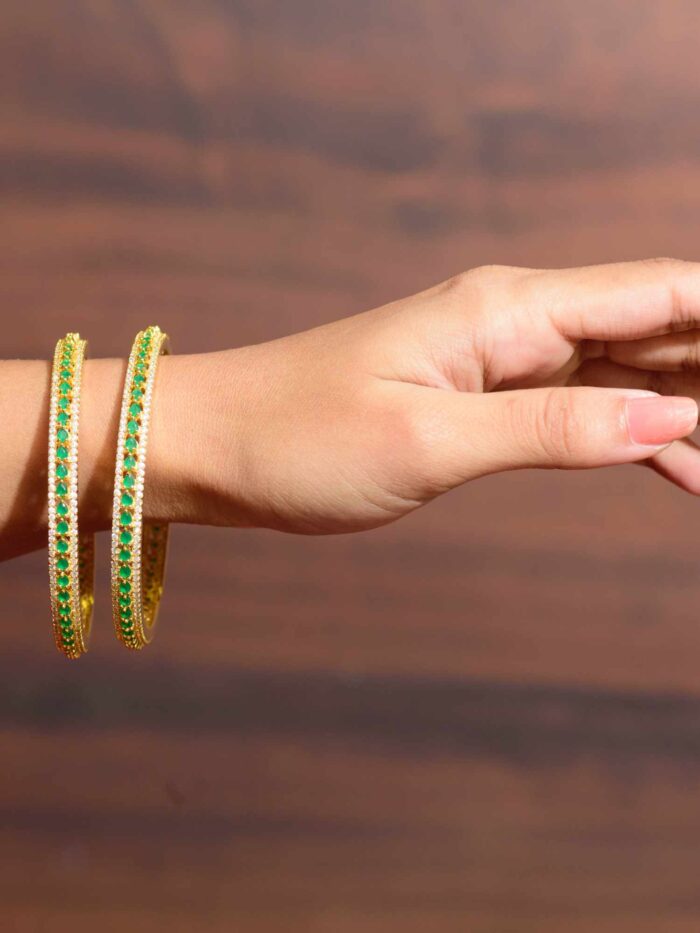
{"x": 68, "y": 640}
{"x": 63, "y": 402}
{"x": 125, "y": 572}
{"x": 62, "y": 528}
{"x": 128, "y": 627}
{"x": 125, "y": 612}
{"x": 125, "y": 587}
{"x": 125, "y": 518}
{"x": 64, "y": 387}
{"x": 62, "y": 434}
{"x": 66, "y": 623}
{"x": 125, "y": 600}
{"x": 135, "y": 409}
{"x": 63, "y": 417}
{"x": 137, "y": 393}
{"x": 125, "y": 554}
{"x": 129, "y": 480}
{"x": 130, "y": 462}
{"x": 63, "y": 580}
{"x": 62, "y": 547}
{"x": 133, "y": 427}
{"x": 62, "y": 453}
{"x": 62, "y": 471}
{"x": 62, "y": 508}
{"x": 63, "y": 596}
{"x": 131, "y": 443}
{"x": 127, "y": 499}
{"x": 65, "y": 374}
{"x": 64, "y": 610}
{"x": 63, "y": 563}
{"x": 61, "y": 489}
{"x": 126, "y": 537}
{"x": 139, "y": 379}
{"x": 143, "y": 353}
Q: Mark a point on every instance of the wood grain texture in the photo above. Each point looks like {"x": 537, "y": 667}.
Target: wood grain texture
{"x": 484, "y": 718}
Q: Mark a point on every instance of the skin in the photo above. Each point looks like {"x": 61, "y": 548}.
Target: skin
{"x": 351, "y": 425}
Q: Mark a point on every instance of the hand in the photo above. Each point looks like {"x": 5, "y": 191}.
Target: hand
{"x": 351, "y": 425}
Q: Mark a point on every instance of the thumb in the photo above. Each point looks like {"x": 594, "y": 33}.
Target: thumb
{"x": 560, "y": 427}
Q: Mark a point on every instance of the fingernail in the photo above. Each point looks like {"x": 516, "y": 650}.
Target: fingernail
{"x": 658, "y": 420}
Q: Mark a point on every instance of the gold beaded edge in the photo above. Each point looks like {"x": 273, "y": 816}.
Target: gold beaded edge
{"x": 137, "y": 635}
{"x": 80, "y": 552}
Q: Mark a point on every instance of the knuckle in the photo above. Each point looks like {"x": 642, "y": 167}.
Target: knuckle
{"x": 485, "y": 290}
{"x": 668, "y": 266}
{"x": 481, "y": 278}
{"x": 670, "y": 272}
{"x": 668, "y": 261}
{"x": 557, "y": 425}
{"x": 491, "y": 271}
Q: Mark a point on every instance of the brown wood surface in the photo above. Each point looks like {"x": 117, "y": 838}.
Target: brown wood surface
{"x": 485, "y": 718}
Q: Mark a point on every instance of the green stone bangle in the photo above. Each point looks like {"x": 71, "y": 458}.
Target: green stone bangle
{"x": 138, "y": 548}
{"x": 71, "y": 554}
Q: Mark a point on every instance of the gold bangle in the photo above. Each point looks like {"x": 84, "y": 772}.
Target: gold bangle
{"x": 71, "y": 554}
{"x": 138, "y": 548}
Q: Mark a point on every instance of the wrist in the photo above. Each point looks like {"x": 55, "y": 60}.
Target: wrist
{"x": 194, "y": 466}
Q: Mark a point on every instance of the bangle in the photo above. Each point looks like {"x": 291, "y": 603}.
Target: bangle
{"x": 71, "y": 554}
{"x": 138, "y": 548}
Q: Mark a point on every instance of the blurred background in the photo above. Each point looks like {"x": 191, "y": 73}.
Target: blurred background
{"x": 485, "y": 718}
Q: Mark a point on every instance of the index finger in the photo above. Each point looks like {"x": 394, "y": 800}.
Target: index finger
{"x": 621, "y": 301}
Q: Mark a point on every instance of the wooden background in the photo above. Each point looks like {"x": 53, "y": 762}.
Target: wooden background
{"x": 485, "y": 718}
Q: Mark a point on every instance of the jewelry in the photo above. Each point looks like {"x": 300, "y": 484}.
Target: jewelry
{"x": 138, "y": 548}
{"x": 71, "y": 554}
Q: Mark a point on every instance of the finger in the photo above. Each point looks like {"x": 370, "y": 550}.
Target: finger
{"x": 679, "y": 463}
{"x": 622, "y": 301}
{"x": 604, "y": 373}
{"x": 466, "y": 435}
{"x": 671, "y": 352}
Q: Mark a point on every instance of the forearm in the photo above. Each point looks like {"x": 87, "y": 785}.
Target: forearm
{"x": 24, "y": 410}
{"x": 181, "y": 477}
